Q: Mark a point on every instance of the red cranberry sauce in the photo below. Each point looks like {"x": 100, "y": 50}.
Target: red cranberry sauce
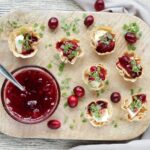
{"x": 97, "y": 73}
{"x": 69, "y": 48}
{"x": 29, "y": 39}
{"x": 130, "y": 65}
{"x": 100, "y": 104}
{"x": 106, "y": 43}
{"x": 38, "y": 101}
{"x": 141, "y": 97}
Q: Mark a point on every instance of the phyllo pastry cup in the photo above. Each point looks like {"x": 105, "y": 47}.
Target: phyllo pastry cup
{"x": 23, "y": 42}
{"x": 135, "y": 108}
{"x": 129, "y": 66}
{"x": 95, "y": 76}
{"x": 103, "y": 40}
{"x": 69, "y": 50}
{"x": 99, "y": 112}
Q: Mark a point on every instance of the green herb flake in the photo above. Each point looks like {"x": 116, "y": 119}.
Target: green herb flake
{"x": 135, "y": 67}
{"x": 65, "y": 119}
{"x": 65, "y": 104}
{"x": 84, "y": 120}
{"x": 107, "y": 82}
{"x": 139, "y": 90}
{"x": 81, "y": 114}
{"x": 64, "y": 94}
{"x": 131, "y": 91}
{"x": 115, "y": 124}
{"x": 136, "y": 104}
{"x": 14, "y": 24}
{"x": 49, "y": 66}
{"x": 95, "y": 110}
{"x": 84, "y": 15}
{"x": 131, "y": 47}
{"x": 61, "y": 66}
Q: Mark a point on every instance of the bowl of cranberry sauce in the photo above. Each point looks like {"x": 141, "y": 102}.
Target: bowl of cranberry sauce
{"x": 39, "y": 100}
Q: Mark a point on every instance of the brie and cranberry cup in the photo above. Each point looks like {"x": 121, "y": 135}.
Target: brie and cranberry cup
{"x": 95, "y": 77}
{"x": 103, "y": 40}
{"x": 135, "y": 107}
{"x": 129, "y": 66}
{"x": 69, "y": 50}
{"x": 23, "y": 42}
{"x": 99, "y": 112}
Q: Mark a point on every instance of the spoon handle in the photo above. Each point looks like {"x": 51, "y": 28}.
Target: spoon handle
{"x": 8, "y": 76}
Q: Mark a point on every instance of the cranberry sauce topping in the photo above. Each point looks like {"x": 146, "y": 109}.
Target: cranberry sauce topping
{"x": 97, "y": 106}
{"x": 131, "y": 66}
{"x": 97, "y": 73}
{"x": 38, "y": 101}
{"x": 29, "y": 39}
{"x": 106, "y": 43}
{"x": 141, "y": 97}
{"x": 69, "y": 48}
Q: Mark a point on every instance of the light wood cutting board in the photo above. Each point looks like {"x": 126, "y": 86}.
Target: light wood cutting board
{"x": 82, "y": 131}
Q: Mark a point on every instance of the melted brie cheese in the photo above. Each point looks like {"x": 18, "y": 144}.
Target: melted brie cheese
{"x": 19, "y": 42}
{"x": 99, "y": 34}
{"x": 94, "y": 84}
{"x": 103, "y": 117}
{"x": 133, "y": 114}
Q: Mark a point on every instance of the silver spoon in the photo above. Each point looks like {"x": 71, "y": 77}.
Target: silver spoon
{"x": 8, "y": 76}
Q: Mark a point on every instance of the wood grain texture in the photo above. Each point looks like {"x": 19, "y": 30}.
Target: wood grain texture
{"x": 10, "y": 143}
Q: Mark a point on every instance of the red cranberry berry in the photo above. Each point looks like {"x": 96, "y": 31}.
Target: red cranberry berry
{"x": 93, "y": 68}
{"x": 79, "y": 91}
{"x": 142, "y": 97}
{"x": 72, "y": 101}
{"x": 53, "y": 23}
{"x": 115, "y": 97}
{"x": 54, "y": 124}
{"x": 130, "y": 37}
{"x": 99, "y": 5}
{"x": 88, "y": 21}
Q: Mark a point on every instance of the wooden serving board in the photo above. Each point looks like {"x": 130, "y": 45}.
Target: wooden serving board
{"x": 82, "y": 131}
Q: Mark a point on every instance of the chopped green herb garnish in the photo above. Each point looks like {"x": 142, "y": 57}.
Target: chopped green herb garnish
{"x": 49, "y": 66}
{"x": 107, "y": 82}
{"x": 135, "y": 67}
{"x": 48, "y": 45}
{"x": 132, "y": 91}
{"x": 139, "y": 90}
{"x": 65, "y": 104}
{"x": 82, "y": 114}
{"x": 56, "y": 56}
{"x": 14, "y": 24}
{"x": 65, "y": 119}
{"x": 102, "y": 90}
{"x": 114, "y": 123}
{"x": 132, "y": 27}
{"x": 97, "y": 93}
{"x": 95, "y": 110}
{"x": 61, "y": 67}
{"x": 131, "y": 47}
{"x": 135, "y": 104}
{"x": 64, "y": 94}
{"x": 84, "y": 15}
{"x": 84, "y": 120}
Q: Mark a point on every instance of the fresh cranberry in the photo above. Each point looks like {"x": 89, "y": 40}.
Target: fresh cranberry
{"x": 72, "y": 101}
{"x": 53, "y": 23}
{"x": 54, "y": 124}
{"x": 99, "y": 5}
{"x": 79, "y": 91}
{"x": 91, "y": 78}
{"x": 88, "y": 20}
{"x": 130, "y": 37}
{"x": 102, "y": 73}
{"x": 93, "y": 68}
{"x": 115, "y": 97}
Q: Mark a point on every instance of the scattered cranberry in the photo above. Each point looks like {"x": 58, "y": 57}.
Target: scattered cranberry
{"x": 54, "y": 124}
{"x": 99, "y": 5}
{"x": 72, "y": 101}
{"x": 53, "y": 23}
{"x": 130, "y": 37}
{"x": 88, "y": 21}
{"x": 115, "y": 97}
{"x": 142, "y": 97}
{"x": 79, "y": 91}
